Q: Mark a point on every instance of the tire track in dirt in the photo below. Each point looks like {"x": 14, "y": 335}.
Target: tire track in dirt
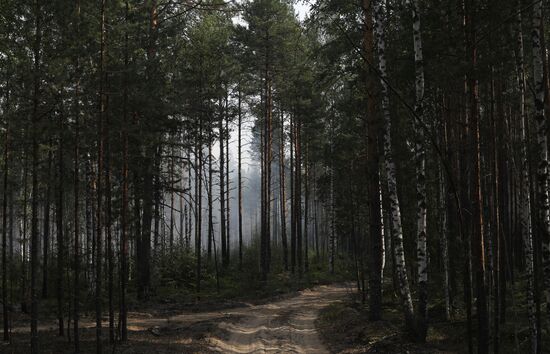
{"x": 285, "y": 326}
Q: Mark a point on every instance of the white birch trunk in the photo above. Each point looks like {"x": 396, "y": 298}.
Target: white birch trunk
{"x": 383, "y": 232}
{"x": 397, "y": 230}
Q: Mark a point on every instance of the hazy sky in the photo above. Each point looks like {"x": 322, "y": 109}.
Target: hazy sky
{"x": 302, "y": 9}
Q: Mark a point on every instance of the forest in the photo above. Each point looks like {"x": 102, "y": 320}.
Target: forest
{"x": 274, "y": 176}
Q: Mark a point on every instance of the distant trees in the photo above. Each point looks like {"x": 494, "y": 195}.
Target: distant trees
{"x": 268, "y": 41}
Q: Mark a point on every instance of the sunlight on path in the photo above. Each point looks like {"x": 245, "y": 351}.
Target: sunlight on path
{"x": 286, "y": 326}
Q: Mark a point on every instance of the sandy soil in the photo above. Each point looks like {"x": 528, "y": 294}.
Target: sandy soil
{"x": 285, "y": 326}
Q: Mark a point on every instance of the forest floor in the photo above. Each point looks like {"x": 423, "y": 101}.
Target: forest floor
{"x": 284, "y": 324}
{"x": 318, "y": 319}
{"x": 345, "y": 329}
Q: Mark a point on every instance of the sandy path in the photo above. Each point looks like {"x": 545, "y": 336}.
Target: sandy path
{"x": 285, "y": 326}
{"x": 282, "y": 326}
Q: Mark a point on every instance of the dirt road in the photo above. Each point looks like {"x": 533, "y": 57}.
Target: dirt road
{"x": 280, "y": 326}
{"x": 285, "y": 326}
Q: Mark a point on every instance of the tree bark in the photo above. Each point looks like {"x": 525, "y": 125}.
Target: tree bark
{"x": 124, "y": 209}
{"x": 298, "y": 193}
{"x": 198, "y": 197}
{"x": 420, "y": 166}
{"x": 240, "y": 186}
{"x": 265, "y": 254}
{"x": 99, "y": 186}
{"x": 332, "y": 216}
{"x": 478, "y": 236}
{"x": 5, "y": 304}
{"x": 306, "y": 210}
{"x": 76, "y": 181}
{"x": 210, "y": 193}
{"x": 227, "y": 191}
{"x": 35, "y": 160}
{"x": 373, "y": 177}
{"x": 292, "y": 198}
{"x": 60, "y": 236}
{"x": 525, "y": 213}
{"x": 397, "y": 230}
{"x": 223, "y": 229}
{"x": 46, "y": 244}
{"x": 542, "y": 141}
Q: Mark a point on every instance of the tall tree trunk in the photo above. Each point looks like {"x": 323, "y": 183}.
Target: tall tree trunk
{"x": 373, "y": 176}
{"x": 385, "y": 238}
{"x": 444, "y": 234}
{"x": 465, "y": 197}
{"x": 23, "y": 239}
{"x": 265, "y": 254}
{"x": 35, "y": 161}
{"x": 189, "y": 207}
{"x": 198, "y": 213}
{"x": 210, "y": 192}
{"x": 537, "y": 239}
{"x": 541, "y": 129}
{"x": 222, "y": 186}
{"x": 124, "y": 212}
{"x": 46, "y": 244}
{"x": 298, "y": 193}
{"x": 5, "y": 304}
{"x": 306, "y": 211}
{"x": 157, "y": 208}
{"x": 478, "y": 239}
{"x": 172, "y": 201}
{"x": 76, "y": 180}
{"x": 239, "y": 177}
{"x": 525, "y": 214}
{"x": 144, "y": 264}
{"x": 227, "y": 191}
{"x": 99, "y": 187}
{"x": 332, "y": 217}
{"x": 315, "y": 221}
{"x": 152, "y": 151}
{"x": 89, "y": 216}
{"x": 397, "y": 230}
{"x": 182, "y": 202}
{"x": 108, "y": 229}
{"x": 60, "y": 235}
{"x": 495, "y": 219}
{"x": 292, "y": 198}
{"x": 420, "y": 164}
{"x": 11, "y": 239}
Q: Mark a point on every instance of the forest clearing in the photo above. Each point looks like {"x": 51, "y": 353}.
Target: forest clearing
{"x": 274, "y": 176}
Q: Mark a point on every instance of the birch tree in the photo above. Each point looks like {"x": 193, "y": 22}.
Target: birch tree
{"x": 395, "y": 209}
